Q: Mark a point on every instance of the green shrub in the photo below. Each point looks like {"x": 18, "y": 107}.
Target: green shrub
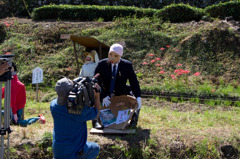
{"x": 180, "y": 13}
{"x": 223, "y": 10}
{"x": 88, "y": 13}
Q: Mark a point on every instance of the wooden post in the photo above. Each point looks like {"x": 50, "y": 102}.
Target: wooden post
{"x": 76, "y": 57}
{"x": 100, "y": 51}
{"x": 37, "y": 93}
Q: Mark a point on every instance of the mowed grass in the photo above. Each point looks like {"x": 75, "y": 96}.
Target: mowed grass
{"x": 201, "y": 129}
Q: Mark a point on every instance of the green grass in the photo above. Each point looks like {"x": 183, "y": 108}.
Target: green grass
{"x": 200, "y": 128}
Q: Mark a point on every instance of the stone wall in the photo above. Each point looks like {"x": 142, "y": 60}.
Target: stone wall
{"x": 7, "y": 7}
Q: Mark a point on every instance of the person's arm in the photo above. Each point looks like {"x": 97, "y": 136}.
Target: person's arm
{"x": 134, "y": 82}
{"x": 4, "y": 68}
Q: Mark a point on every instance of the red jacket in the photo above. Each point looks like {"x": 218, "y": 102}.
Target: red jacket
{"x": 18, "y": 94}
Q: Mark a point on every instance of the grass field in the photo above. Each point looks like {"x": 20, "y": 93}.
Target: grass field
{"x": 165, "y": 130}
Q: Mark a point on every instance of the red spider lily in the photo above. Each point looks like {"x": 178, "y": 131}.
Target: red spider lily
{"x": 151, "y": 54}
{"x": 172, "y": 76}
{"x": 176, "y": 71}
{"x": 161, "y": 68}
{"x": 213, "y": 90}
{"x": 11, "y": 22}
{"x": 157, "y": 65}
{"x": 177, "y": 50}
{"x": 179, "y": 64}
{"x": 185, "y": 71}
{"x": 162, "y": 48}
{"x": 7, "y": 25}
{"x": 196, "y": 74}
{"x": 179, "y": 73}
{"x": 158, "y": 59}
{"x": 167, "y": 45}
{"x": 161, "y": 72}
{"x": 8, "y": 53}
{"x": 153, "y": 61}
{"x": 69, "y": 68}
{"x": 5, "y": 22}
{"x": 144, "y": 63}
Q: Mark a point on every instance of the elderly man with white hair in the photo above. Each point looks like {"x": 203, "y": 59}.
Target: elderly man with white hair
{"x": 113, "y": 73}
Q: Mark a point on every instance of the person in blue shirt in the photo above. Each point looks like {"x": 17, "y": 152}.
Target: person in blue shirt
{"x": 70, "y": 130}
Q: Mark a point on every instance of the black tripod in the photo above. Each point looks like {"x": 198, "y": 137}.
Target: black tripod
{"x": 5, "y": 118}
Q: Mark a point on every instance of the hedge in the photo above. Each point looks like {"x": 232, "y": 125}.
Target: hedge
{"x": 88, "y": 13}
{"x": 180, "y": 13}
{"x": 223, "y": 10}
{"x": 173, "y": 13}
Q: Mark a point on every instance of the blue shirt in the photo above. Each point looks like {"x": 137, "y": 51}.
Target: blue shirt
{"x": 70, "y": 130}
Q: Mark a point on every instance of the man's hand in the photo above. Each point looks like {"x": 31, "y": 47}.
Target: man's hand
{"x": 106, "y": 101}
{"x": 139, "y": 101}
{"x": 15, "y": 118}
{"x": 96, "y": 89}
{"x": 4, "y": 68}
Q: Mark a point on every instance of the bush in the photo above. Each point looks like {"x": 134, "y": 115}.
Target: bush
{"x": 88, "y": 13}
{"x": 180, "y": 13}
{"x": 223, "y": 10}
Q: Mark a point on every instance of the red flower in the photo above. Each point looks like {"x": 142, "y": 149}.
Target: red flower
{"x": 8, "y": 53}
{"x": 6, "y": 22}
{"x": 144, "y": 63}
{"x": 176, "y": 71}
{"x": 213, "y": 90}
{"x": 196, "y": 74}
{"x": 158, "y": 59}
{"x": 179, "y": 73}
{"x": 162, "y": 48}
{"x": 179, "y": 64}
{"x": 7, "y": 25}
{"x": 161, "y": 68}
{"x": 168, "y": 46}
{"x": 151, "y": 54}
{"x": 11, "y": 22}
{"x": 185, "y": 71}
{"x": 177, "y": 50}
{"x": 161, "y": 72}
{"x": 153, "y": 61}
{"x": 157, "y": 65}
{"x": 172, "y": 76}
{"x": 69, "y": 68}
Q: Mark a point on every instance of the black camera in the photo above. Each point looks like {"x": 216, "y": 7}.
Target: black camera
{"x": 81, "y": 95}
{"x": 6, "y": 59}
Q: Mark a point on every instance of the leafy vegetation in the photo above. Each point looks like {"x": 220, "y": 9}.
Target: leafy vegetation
{"x": 155, "y": 47}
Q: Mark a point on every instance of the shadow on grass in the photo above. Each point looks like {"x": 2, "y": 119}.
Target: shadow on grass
{"x": 126, "y": 146}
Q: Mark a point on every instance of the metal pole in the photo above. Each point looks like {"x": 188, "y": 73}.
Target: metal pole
{"x": 8, "y": 114}
{"x": 2, "y": 136}
{"x": 5, "y": 123}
